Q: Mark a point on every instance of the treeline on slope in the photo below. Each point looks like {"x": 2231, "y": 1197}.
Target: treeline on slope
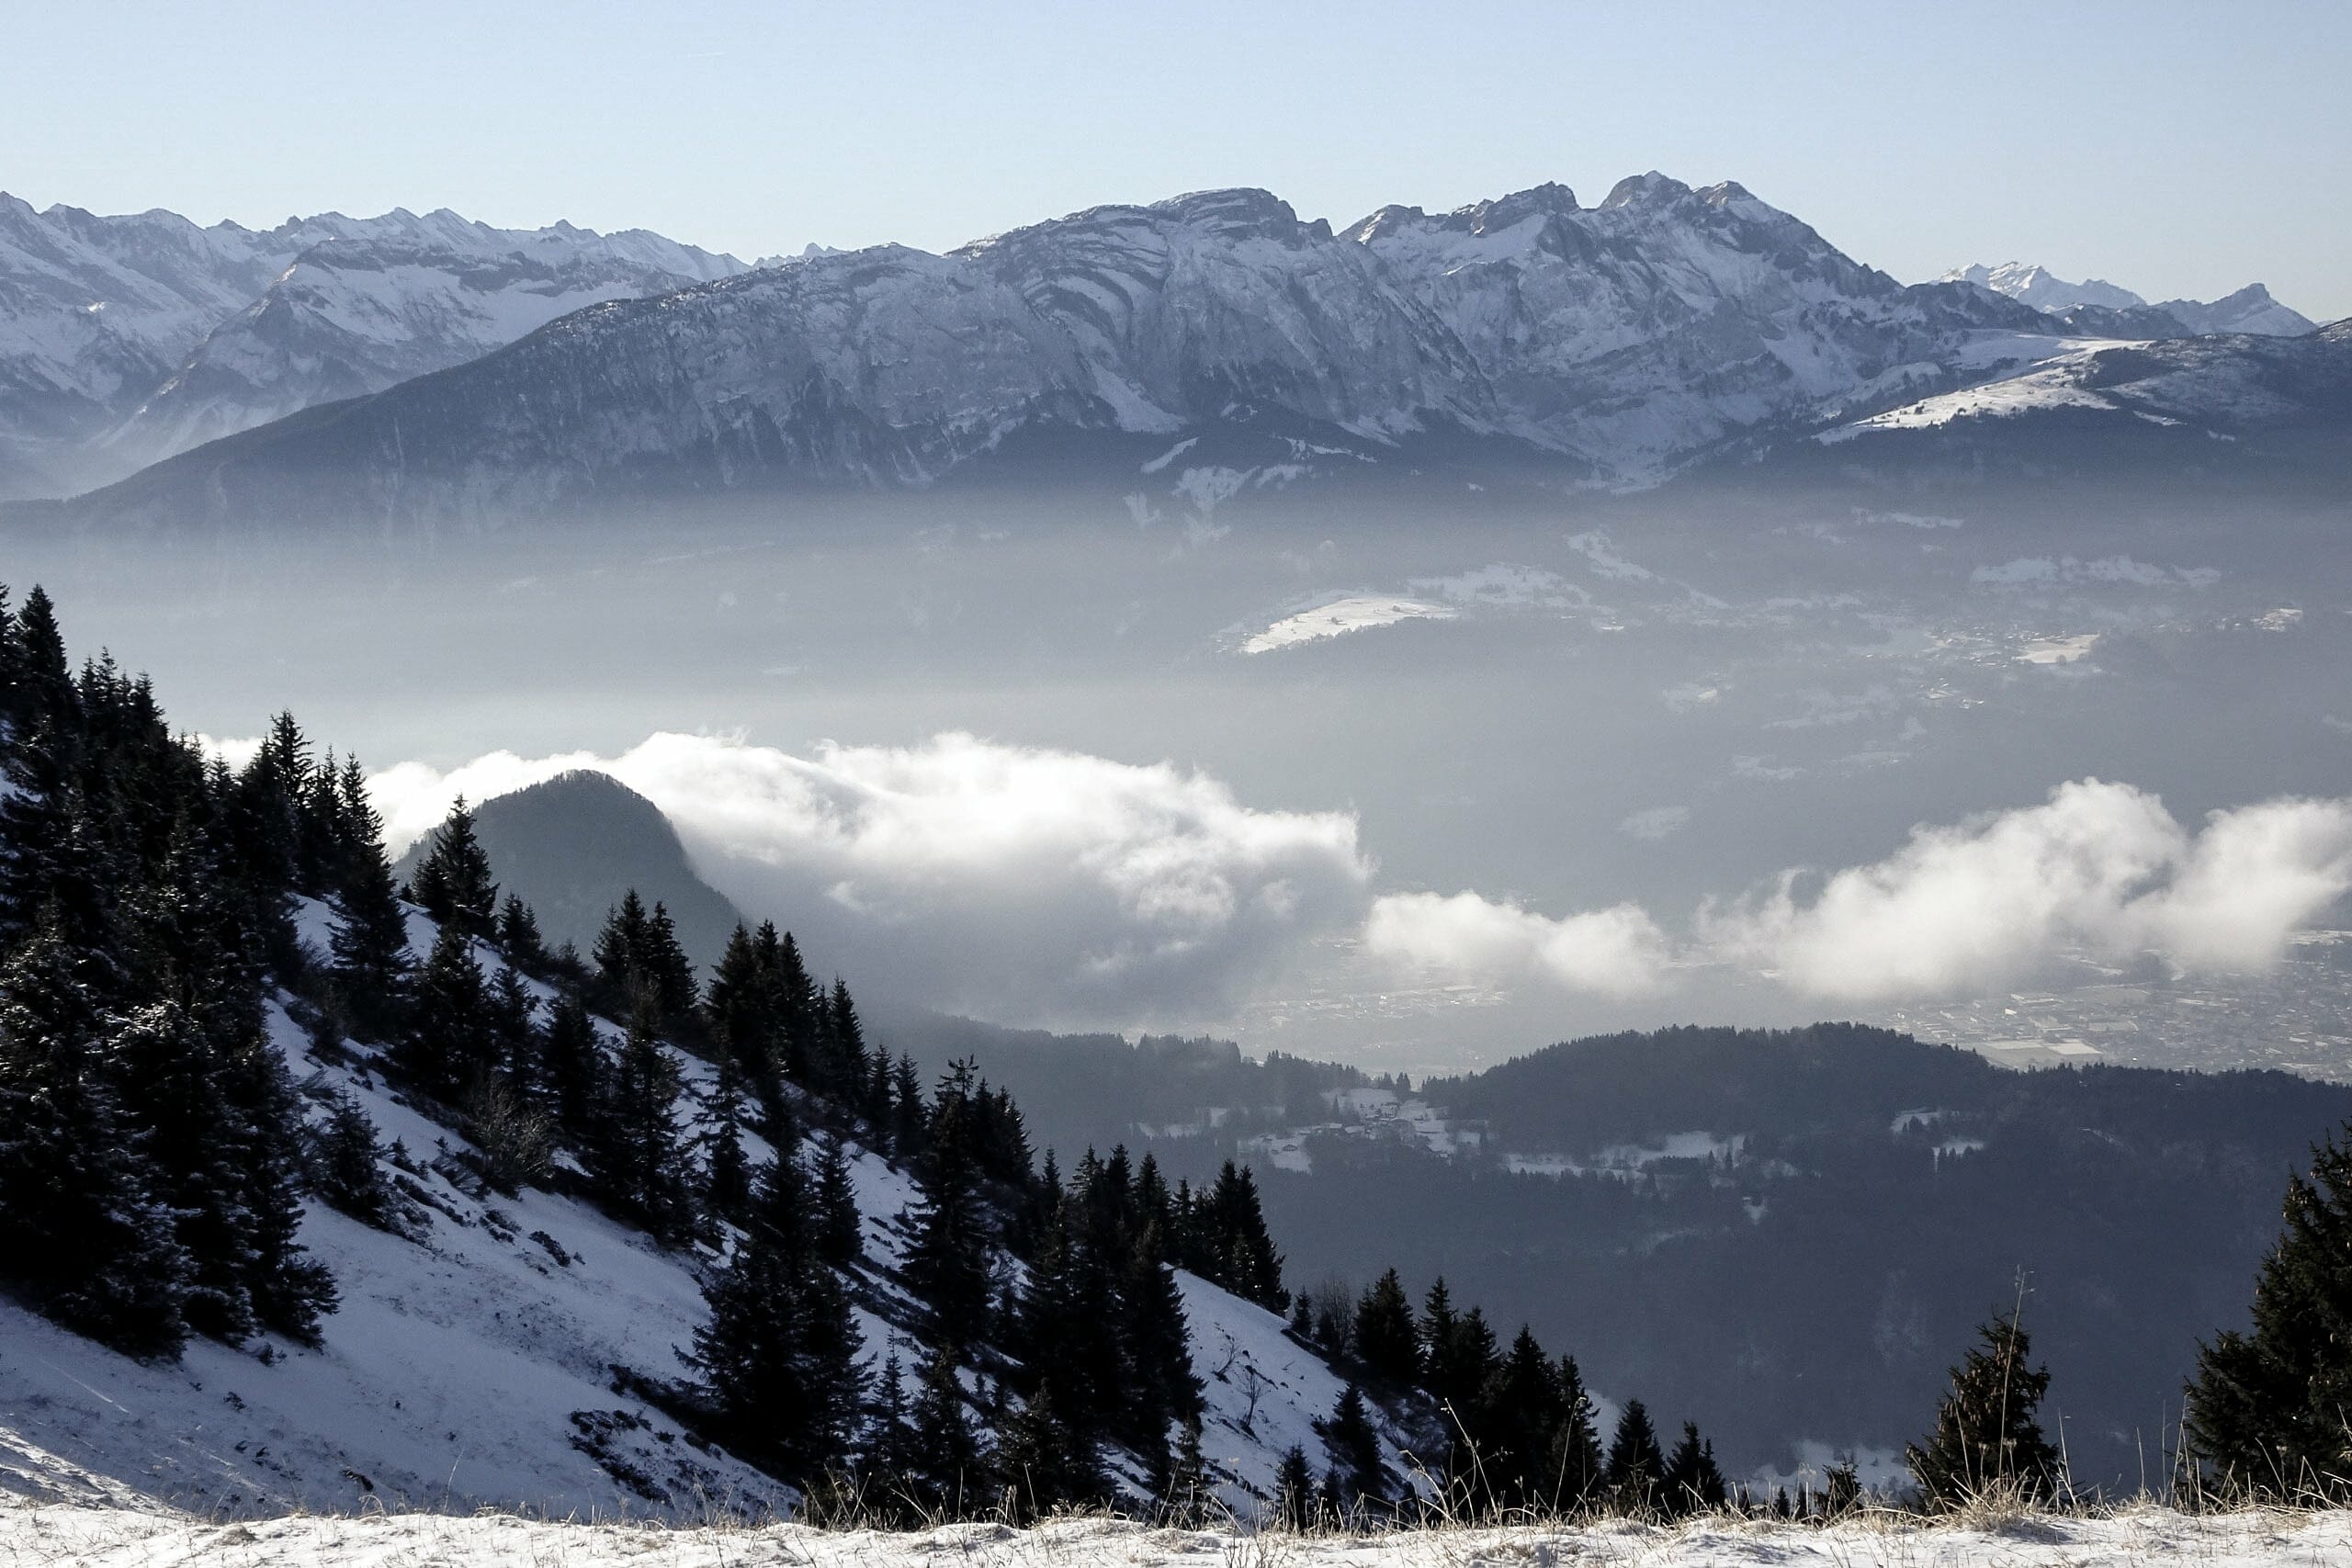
{"x": 153, "y": 1155}
{"x": 1824, "y": 1078}
{"x": 1074, "y": 1087}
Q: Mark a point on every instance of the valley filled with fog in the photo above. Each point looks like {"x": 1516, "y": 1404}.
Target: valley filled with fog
{"x": 1417, "y": 775}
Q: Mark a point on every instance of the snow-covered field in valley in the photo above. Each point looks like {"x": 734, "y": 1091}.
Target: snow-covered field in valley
{"x": 32, "y": 1535}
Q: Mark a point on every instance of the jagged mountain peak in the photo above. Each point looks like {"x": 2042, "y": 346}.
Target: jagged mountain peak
{"x": 1651, "y": 190}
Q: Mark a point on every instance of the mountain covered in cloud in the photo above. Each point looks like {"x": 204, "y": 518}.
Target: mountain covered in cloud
{"x": 2251, "y": 309}
{"x": 1621, "y": 343}
{"x": 126, "y": 339}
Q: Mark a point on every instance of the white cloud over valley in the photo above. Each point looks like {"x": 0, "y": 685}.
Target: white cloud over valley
{"x": 1038, "y": 886}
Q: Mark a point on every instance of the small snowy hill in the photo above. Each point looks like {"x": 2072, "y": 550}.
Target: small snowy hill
{"x": 499, "y": 1353}
{"x": 2147, "y": 1537}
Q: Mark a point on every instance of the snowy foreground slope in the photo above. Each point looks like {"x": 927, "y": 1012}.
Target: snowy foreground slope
{"x": 494, "y": 1356}
{"x": 33, "y": 1534}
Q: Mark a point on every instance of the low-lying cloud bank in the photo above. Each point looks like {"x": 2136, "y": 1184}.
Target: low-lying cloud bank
{"x": 1035, "y": 884}
{"x": 2101, "y": 868}
{"x": 1015, "y": 881}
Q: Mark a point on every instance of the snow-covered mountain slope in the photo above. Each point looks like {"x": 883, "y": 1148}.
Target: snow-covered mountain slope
{"x": 496, "y": 1355}
{"x": 357, "y": 314}
{"x": 2224, "y": 388}
{"x": 2032, "y": 284}
{"x": 2250, "y": 310}
{"x": 1222, "y": 301}
{"x": 2147, "y": 1535}
{"x": 1640, "y": 332}
{"x": 1622, "y": 342}
{"x": 124, "y": 339}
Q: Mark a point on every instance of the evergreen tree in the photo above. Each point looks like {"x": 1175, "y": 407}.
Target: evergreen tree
{"x": 840, "y": 1236}
{"x": 947, "y": 1471}
{"x": 1229, "y": 1243}
{"x": 449, "y": 1043}
{"x": 1045, "y": 1463}
{"x": 370, "y": 943}
{"x": 1295, "y": 1490}
{"x": 1354, "y": 1446}
{"x": 1985, "y": 1431}
{"x": 571, "y": 1064}
{"x": 344, "y": 1168}
{"x": 620, "y": 946}
{"x": 779, "y": 1352}
{"x": 453, "y": 885}
{"x": 289, "y": 1288}
{"x": 1516, "y": 1426}
{"x": 1636, "y": 1471}
{"x": 664, "y": 963}
{"x": 45, "y": 697}
{"x": 1156, "y": 1349}
{"x": 946, "y": 1263}
{"x": 739, "y": 1015}
{"x": 727, "y": 1192}
{"x": 1693, "y": 1483}
{"x": 887, "y": 1451}
{"x": 637, "y": 1156}
{"x": 1575, "y": 1468}
{"x": 519, "y": 938}
{"x": 82, "y": 1231}
{"x": 1385, "y": 1336}
{"x": 2265, "y": 1410}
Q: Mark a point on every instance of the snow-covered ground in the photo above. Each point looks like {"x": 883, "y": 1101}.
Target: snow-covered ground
{"x": 120, "y": 1538}
{"x": 495, "y": 1357}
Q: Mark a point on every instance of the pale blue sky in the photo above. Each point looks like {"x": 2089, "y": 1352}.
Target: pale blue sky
{"x": 2175, "y": 149}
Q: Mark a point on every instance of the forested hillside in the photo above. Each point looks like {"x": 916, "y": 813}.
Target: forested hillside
{"x": 339, "y": 1186}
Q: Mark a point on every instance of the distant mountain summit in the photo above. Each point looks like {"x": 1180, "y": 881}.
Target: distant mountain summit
{"x": 126, "y": 339}
{"x": 572, "y": 846}
{"x": 2250, "y": 310}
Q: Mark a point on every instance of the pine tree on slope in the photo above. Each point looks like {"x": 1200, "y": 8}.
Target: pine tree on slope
{"x": 2265, "y": 1412}
{"x": 1985, "y": 1433}
{"x": 779, "y": 1352}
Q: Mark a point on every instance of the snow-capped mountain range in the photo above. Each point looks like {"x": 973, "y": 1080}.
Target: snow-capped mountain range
{"x": 2250, "y": 311}
{"x": 1619, "y": 343}
{"x": 126, "y": 339}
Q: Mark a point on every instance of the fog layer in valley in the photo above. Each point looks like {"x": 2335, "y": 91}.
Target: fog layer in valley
{"x": 1420, "y": 779}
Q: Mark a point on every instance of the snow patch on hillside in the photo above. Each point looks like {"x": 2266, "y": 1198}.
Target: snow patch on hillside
{"x": 1356, "y": 613}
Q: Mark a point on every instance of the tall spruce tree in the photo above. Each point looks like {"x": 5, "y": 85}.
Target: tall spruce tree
{"x": 638, "y": 1152}
{"x": 1693, "y": 1482}
{"x": 947, "y": 1469}
{"x": 454, "y": 885}
{"x": 450, "y": 1042}
{"x": 2266, "y": 1408}
{"x": 1575, "y": 1467}
{"x": 1385, "y": 1337}
{"x": 1636, "y": 1471}
{"x": 1986, "y": 1436}
{"x": 947, "y": 1263}
{"x": 82, "y": 1230}
{"x": 779, "y": 1353}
